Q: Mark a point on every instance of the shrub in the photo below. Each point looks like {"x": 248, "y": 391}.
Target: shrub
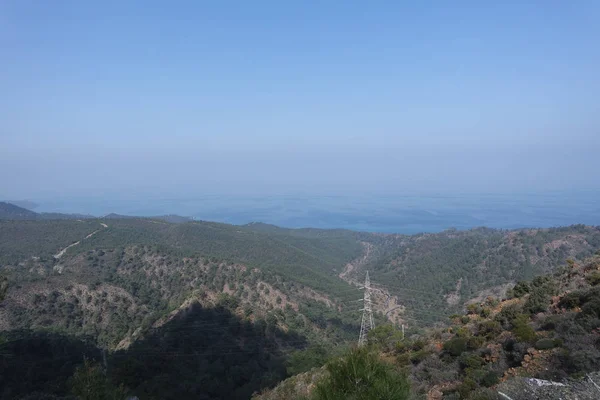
{"x": 418, "y": 356}
{"x": 385, "y": 336}
{"x": 537, "y": 301}
{"x": 474, "y": 308}
{"x": 418, "y": 345}
{"x": 550, "y": 322}
{"x": 455, "y": 317}
{"x": 542, "y": 289}
{"x": 456, "y": 346}
{"x": 520, "y": 289}
{"x": 362, "y": 375}
{"x": 576, "y": 362}
{"x": 489, "y": 329}
{"x": 492, "y": 301}
{"x": 591, "y": 308}
{"x": 484, "y": 394}
{"x": 89, "y": 383}
{"x": 522, "y": 330}
{"x": 402, "y": 347}
{"x": 466, "y": 387}
{"x": 475, "y": 342}
{"x": 303, "y": 360}
{"x": 507, "y": 315}
{"x": 593, "y": 278}
{"x": 228, "y": 301}
{"x": 470, "y": 360}
{"x": 543, "y": 281}
{"x": 403, "y": 359}
{"x": 462, "y": 332}
{"x": 545, "y": 344}
{"x": 570, "y": 300}
{"x": 515, "y": 352}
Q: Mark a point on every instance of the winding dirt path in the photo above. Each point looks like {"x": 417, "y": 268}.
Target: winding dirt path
{"x": 63, "y": 251}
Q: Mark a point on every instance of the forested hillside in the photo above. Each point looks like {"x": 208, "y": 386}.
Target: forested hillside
{"x": 546, "y": 328}
{"x": 273, "y": 301}
{"x": 433, "y": 273}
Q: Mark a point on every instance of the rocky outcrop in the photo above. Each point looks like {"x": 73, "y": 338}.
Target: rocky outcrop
{"x": 538, "y": 389}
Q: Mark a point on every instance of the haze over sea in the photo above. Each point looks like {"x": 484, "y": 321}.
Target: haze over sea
{"x": 392, "y": 117}
{"x": 375, "y": 213}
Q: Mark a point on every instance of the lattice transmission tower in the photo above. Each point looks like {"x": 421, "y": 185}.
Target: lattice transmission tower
{"x": 367, "y": 318}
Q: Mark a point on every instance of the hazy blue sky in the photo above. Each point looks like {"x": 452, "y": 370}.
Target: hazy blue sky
{"x": 187, "y": 97}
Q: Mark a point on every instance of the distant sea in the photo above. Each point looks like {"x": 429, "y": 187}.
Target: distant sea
{"x": 391, "y": 214}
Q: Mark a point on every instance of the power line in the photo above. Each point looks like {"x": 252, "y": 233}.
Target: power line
{"x": 367, "y": 319}
{"x": 409, "y": 290}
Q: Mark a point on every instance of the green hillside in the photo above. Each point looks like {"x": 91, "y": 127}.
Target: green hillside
{"x": 440, "y": 272}
{"x": 285, "y": 300}
{"x": 546, "y": 328}
{"x": 22, "y": 240}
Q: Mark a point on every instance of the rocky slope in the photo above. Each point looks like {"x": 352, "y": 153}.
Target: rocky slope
{"x": 541, "y": 340}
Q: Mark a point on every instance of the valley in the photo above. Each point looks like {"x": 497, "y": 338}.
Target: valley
{"x": 234, "y": 309}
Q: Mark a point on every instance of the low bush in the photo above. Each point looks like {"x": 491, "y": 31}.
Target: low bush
{"x": 570, "y": 300}
{"x": 456, "y": 346}
{"x": 489, "y": 329}
{"x": 507, "y": 315}
{"x": 470, "y": 360}
{"x": 522, "y": 330}
{"x": 484, "y": 394}
{"x": 593, "y": 278}
{"x": 362, "y": 375}
{"x": 474, "y": 308}
{"x": 545, "y": 344}
{"x": 466, "y": 387}
{"x": 418, "y": 356}
{"x": 520, "y": 289}
{"x": 475, "y": 342}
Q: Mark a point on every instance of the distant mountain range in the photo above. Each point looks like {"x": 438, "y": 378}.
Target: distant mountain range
{"x": 17, "y": 211}
{"x": 30, "y": 205}
{"x": 11, "y": 211}
{"x": 14, "y": 212}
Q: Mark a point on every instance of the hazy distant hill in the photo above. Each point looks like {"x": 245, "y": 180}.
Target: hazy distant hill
{"x": 117, "y": 216}
{"x": 52, "y": 215}
{"x": 171, "y": 218}
{"x": 30, "y": 205}
{"x": 11, "y": 211}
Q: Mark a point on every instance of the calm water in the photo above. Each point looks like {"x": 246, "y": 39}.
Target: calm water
{"x": 400, "y": 214}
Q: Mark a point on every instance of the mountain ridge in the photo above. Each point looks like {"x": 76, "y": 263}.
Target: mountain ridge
{"x": 119, "y": 281}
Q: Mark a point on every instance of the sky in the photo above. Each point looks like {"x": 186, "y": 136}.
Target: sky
{"x": 181, "y": 98}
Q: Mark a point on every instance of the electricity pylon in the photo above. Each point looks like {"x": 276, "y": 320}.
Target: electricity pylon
{"x": 367, "y": 318}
